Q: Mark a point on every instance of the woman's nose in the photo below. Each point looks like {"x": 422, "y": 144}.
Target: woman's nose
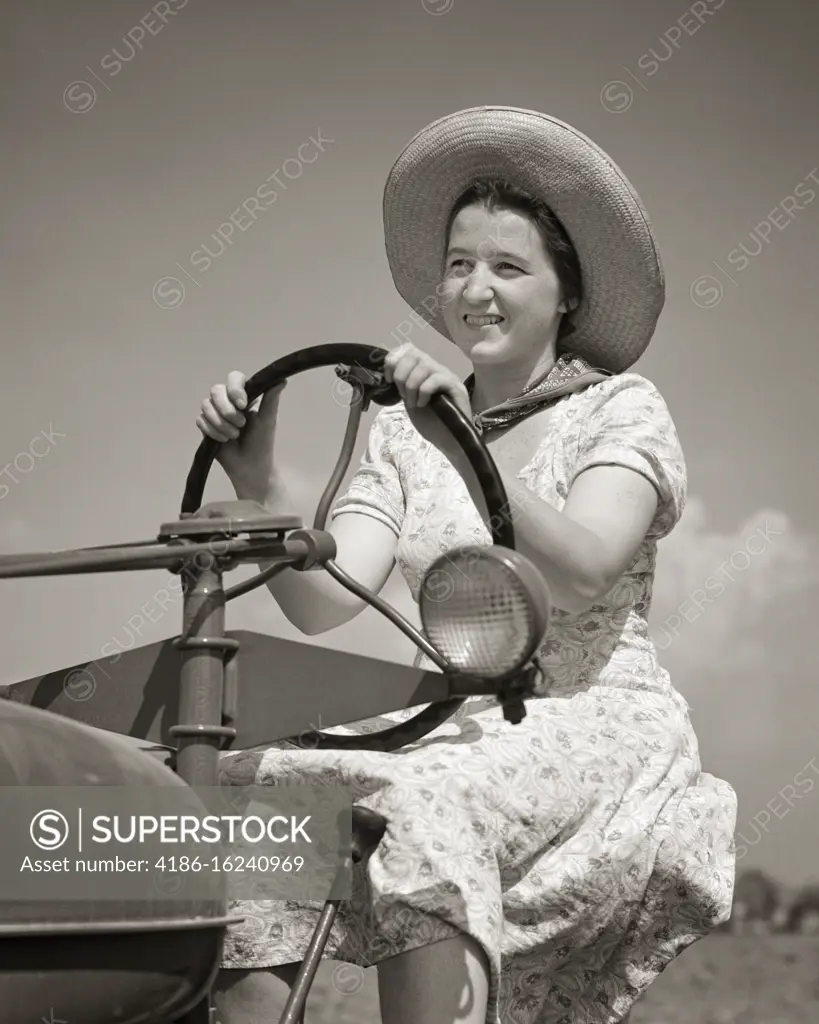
{"x": 478, "y": 285}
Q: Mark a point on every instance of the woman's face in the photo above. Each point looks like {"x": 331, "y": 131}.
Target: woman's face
{"x": 501, "y": 296}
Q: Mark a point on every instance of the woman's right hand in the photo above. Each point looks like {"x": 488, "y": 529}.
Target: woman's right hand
{"x": 247, "y": 458}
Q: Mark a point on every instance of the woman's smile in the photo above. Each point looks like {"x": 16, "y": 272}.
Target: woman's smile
{"x": 482, "y": 322}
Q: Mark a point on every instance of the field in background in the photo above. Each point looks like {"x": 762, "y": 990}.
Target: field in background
{"x": 724, "y": 979}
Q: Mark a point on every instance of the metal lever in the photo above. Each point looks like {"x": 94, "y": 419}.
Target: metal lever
{"x": 369, "y": 385}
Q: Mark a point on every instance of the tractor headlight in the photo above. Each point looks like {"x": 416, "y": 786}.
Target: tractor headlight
{"x": 485, "y": 609}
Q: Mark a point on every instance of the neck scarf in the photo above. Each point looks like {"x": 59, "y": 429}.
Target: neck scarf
{"x": 569, "y": 374}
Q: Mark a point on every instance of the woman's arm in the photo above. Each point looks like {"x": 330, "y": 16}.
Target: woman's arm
{"x": 584, "y": 549}
{"x": 313, "y": 601}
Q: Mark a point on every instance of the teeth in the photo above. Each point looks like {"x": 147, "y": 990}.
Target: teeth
{"x": 482, "y": 321}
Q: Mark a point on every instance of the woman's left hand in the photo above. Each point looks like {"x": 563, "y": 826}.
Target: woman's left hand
{"x": 418, "y": 377}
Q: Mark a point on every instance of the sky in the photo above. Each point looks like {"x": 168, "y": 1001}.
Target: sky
{"x": 132, "y": 132}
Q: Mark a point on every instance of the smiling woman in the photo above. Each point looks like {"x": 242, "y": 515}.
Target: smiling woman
{"x": 493, "y": 194}
{"x": 503, "y": 286}
{"x": 546, "y": 871}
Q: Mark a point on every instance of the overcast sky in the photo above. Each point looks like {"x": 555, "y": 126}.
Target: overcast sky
{"x": 132, "y": 133}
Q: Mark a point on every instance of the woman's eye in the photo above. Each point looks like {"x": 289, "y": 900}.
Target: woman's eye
{"x": 460, "y": 264}
{"x": 458, "y": 267}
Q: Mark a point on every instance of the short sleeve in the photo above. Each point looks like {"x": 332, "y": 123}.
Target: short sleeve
{"x": 630, "y": 425}
{"x": 376, "y": 489}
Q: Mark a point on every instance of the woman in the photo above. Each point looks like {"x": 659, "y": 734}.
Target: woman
{"x": 546, "y": 871}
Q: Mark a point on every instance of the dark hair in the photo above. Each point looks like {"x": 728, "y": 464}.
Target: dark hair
{"x": 494, "y": 193}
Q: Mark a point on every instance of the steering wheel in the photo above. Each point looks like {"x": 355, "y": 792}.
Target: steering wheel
{"x": 365, "y": 365}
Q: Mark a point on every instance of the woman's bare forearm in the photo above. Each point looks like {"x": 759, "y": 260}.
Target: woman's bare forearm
{"x": 311, "y": 601}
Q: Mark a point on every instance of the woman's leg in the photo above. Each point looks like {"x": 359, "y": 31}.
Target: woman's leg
{"x": 253, "y": 997}
{"x": 446, "y": 982}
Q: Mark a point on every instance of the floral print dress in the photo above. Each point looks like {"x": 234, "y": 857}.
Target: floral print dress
{"x": 583, "y": 848}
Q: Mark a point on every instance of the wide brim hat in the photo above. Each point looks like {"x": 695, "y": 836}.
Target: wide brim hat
{"x": 622, "y": 275}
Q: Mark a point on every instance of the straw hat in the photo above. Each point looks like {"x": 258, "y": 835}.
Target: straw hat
{"x": 623, "y": 280}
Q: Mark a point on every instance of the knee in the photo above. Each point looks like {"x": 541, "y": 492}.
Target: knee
{"x": 252, "y": 996}
{"x": 233, "y": 993}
